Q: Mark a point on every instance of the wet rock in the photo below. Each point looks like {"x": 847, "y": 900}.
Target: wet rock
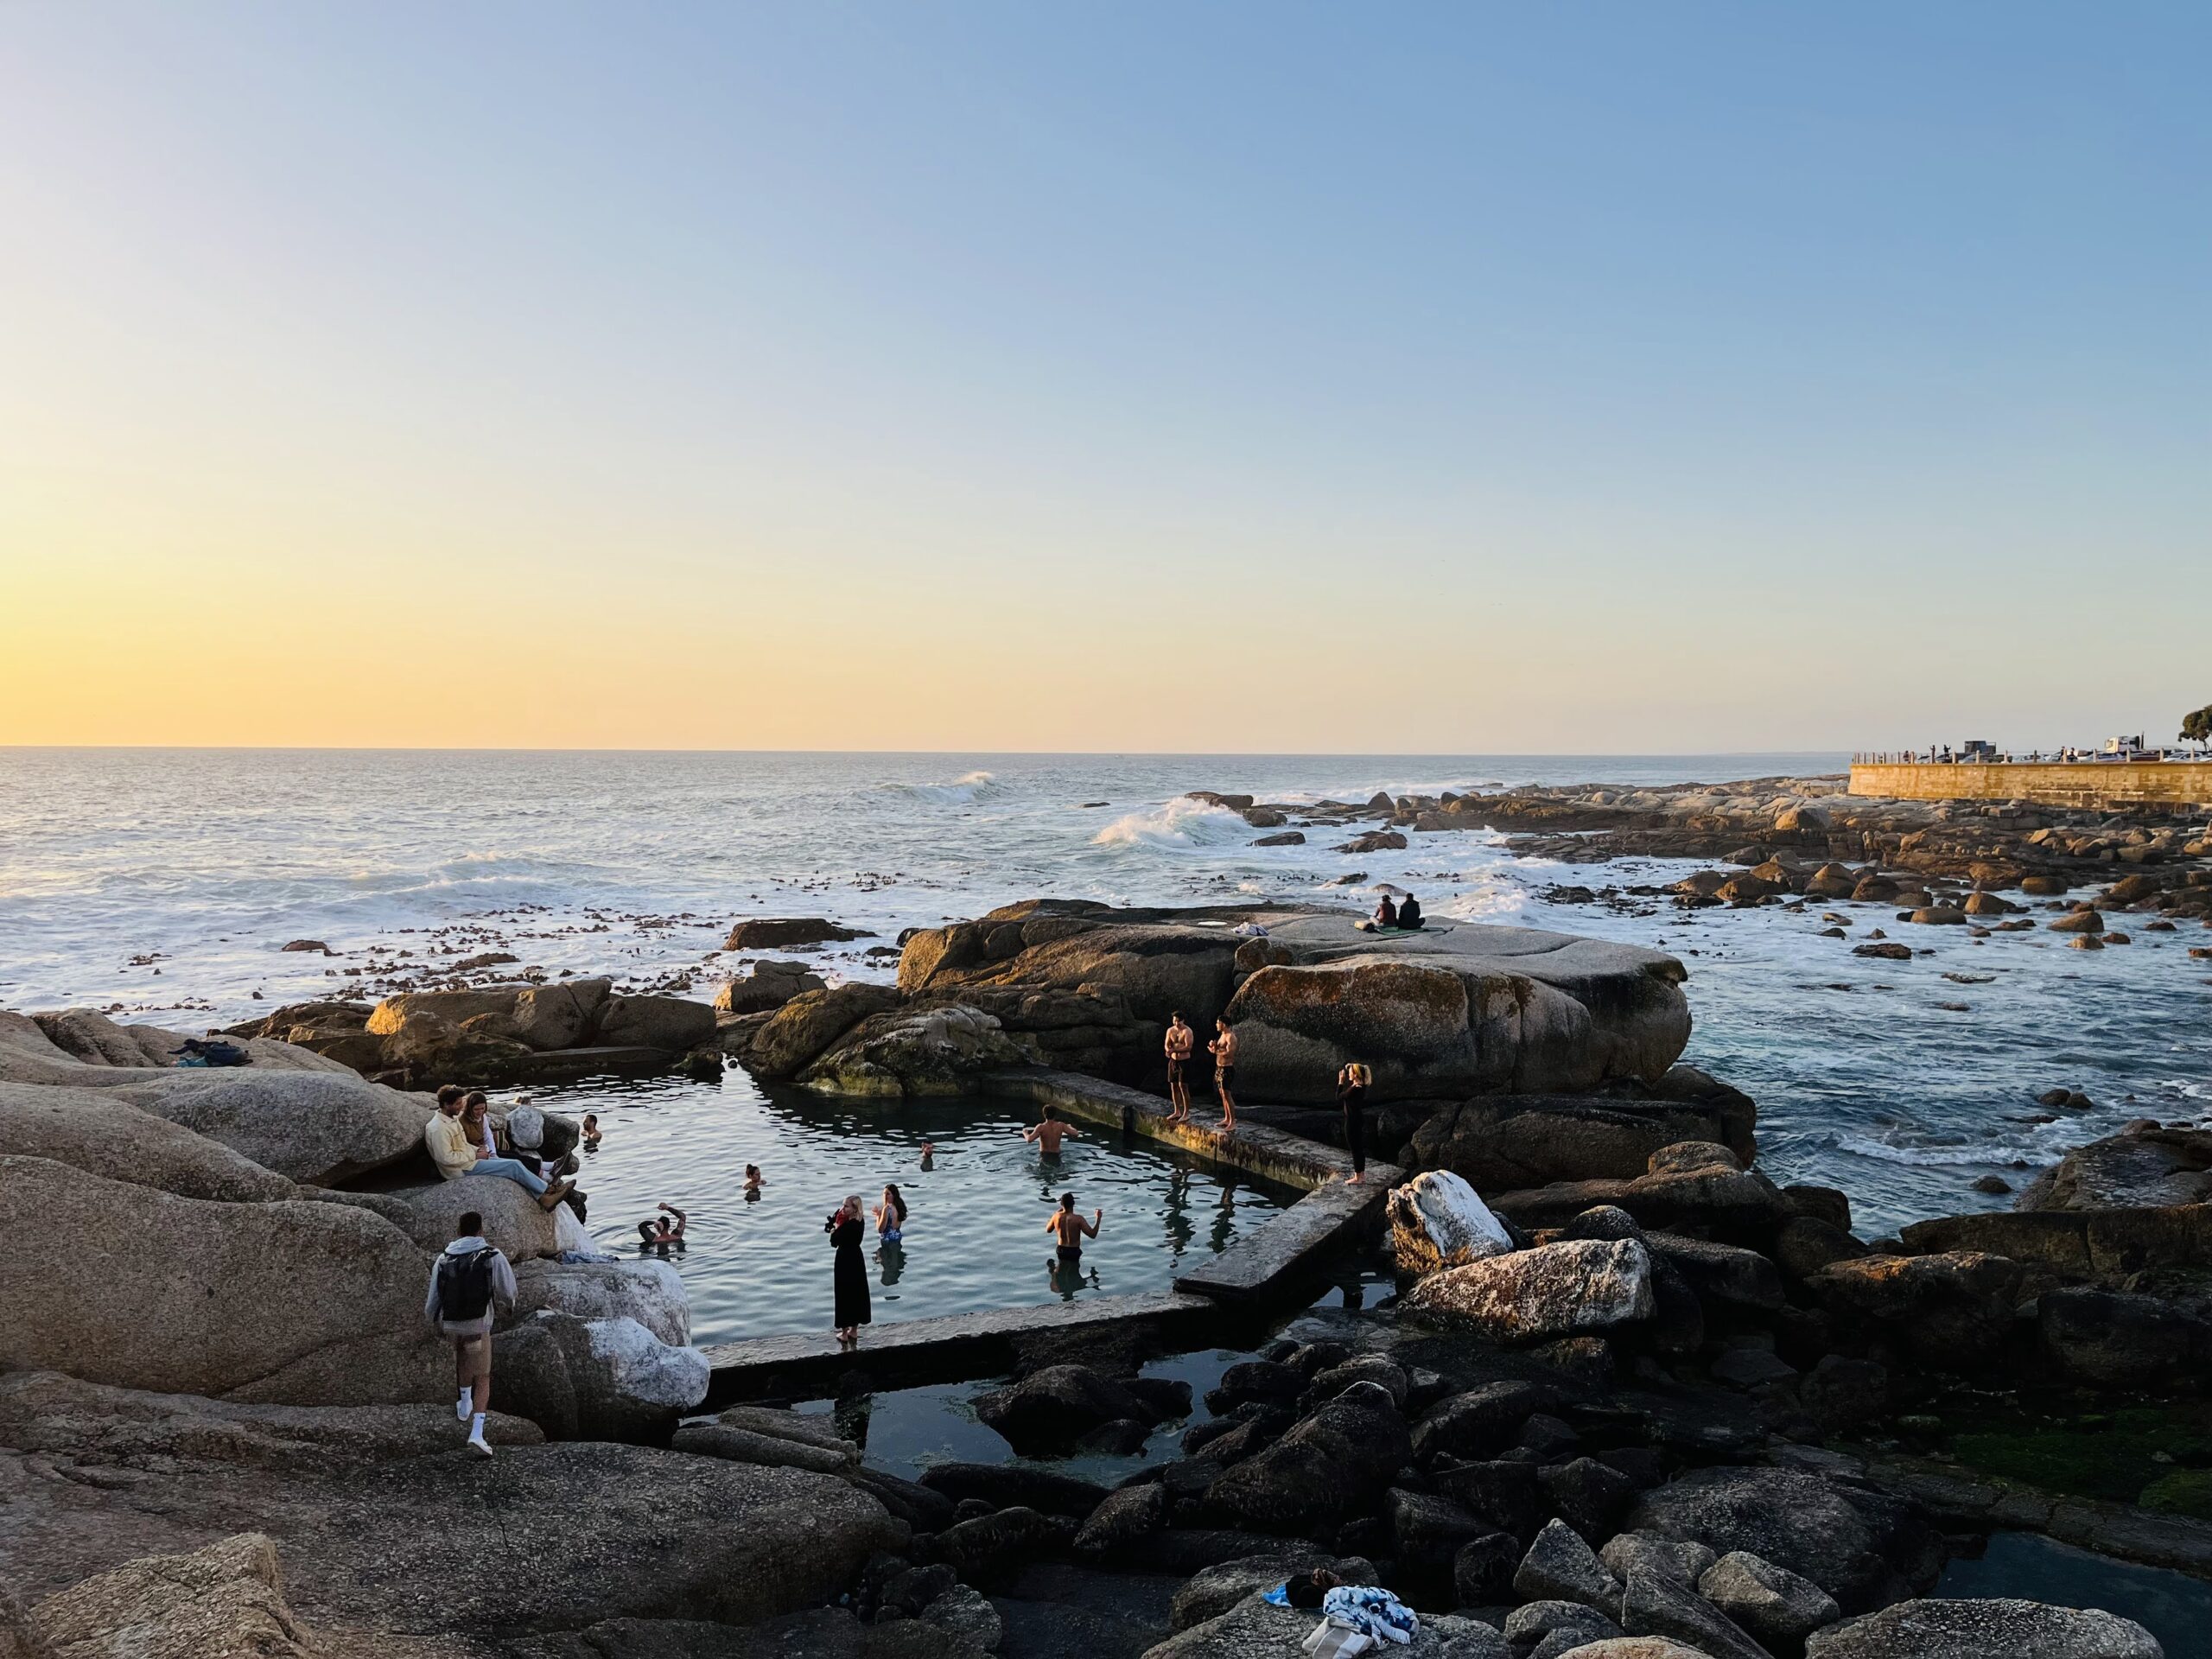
{"x": 1012, "y": 1485}
{"x": 1590, "y": 1496}
{"x": 2138, "y": 1168}
{"x": 1438, "y": 1221}
{"x": 1886, "y": 951}
{"x": 1125, "y": 1517}
{"x": 1510, "y": 1143}
{"x": 916, "y": 1051}
{"x": 1863, "y": 1547}
{"x": 1287, "y": 838}
{"x": 1934, "y": 916}
{"x": 1385, "y": 1373}
{"x": 784, "y": 932}
{"x": 767, "y": 988}
{"x": 1333, "y": 1465}
{"x": 1951, "y": 1310}
{"x": 1779, "y": 1608}
{"x": 1508, "y": 1495}
{"x": 967, "y": 1617}
{"x": 1374, "y": 841}
{"x": 1561, "y": 1566}
{"x": 1978, "y": 1629}
{"x": 1264, "y": 1380}
{"x": 1554, "y": 1290}
{"x": 809, "y": 1023}
{"x": 990, "y": 1546}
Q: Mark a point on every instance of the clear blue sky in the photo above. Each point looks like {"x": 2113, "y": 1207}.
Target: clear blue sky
{"x": 1677, "y": 378}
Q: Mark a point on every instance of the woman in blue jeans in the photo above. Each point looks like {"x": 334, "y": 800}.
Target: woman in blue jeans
{"x": 476, "y": 1122}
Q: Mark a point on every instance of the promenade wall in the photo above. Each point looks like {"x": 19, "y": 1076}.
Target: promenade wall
{"x": 2087, "y": 784}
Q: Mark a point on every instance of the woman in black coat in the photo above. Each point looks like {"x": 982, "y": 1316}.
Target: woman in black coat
{"x": 849, "y": 1275}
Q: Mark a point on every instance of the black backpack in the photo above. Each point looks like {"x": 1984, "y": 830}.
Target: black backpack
{"x": 465, "y": 1285}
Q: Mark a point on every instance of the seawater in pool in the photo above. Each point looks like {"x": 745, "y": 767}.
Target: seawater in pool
{"x": 974, "y": 1234}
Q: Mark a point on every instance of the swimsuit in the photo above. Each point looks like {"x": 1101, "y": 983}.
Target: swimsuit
{"x": 1226, "y": 1075}
{"x": 1070, "y": 1253}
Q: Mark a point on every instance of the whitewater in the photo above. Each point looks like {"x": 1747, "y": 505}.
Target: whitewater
{"x": 163, "y": 885}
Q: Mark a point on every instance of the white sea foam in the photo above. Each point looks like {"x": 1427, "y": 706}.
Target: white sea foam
{"x": 1987, "y": 1152}
{"x": 1179, "y": 825}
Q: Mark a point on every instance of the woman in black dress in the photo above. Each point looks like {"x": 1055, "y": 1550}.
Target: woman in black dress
{"x": 1351, "y": 1094}
{"x": 849, "y": 1275}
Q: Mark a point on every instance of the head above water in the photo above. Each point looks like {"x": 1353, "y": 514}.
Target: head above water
{"x": 591, "y": 1119}
{"x": 895, "y": 1198}
{"x": 1052, "y": 1114}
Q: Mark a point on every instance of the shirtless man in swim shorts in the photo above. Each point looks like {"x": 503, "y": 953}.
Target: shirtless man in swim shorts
{"x": 1048, "y": 1134}
{"x": 1224, "y": 1049}
{"x": 1181, "y": 1040}
{"x": 1072, "y": 1229}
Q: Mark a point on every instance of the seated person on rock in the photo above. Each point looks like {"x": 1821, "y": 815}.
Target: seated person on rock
{"x": 1386, "y": 913}
{"x": 446, "y": 1138}
{"x": 1410, "y": 913}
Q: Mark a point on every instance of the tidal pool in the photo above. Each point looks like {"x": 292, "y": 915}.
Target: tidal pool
{"x": 975, "y": 1234}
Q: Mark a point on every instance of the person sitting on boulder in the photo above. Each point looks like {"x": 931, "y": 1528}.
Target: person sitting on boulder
{"x": 1386, "y": 913}
{"x": 447, "y": 1141}
{"x": 1410, "y": 913}
{"x": 470, "y": 1283}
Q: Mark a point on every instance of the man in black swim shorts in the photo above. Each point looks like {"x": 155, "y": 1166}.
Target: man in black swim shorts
{"x": 1070, "y": 1230}
{"x": 1180, "y": 1041}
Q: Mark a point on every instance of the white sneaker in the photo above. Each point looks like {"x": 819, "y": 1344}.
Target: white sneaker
{"x": 479, "y": 1444}
{"x": 464, "y": 1408}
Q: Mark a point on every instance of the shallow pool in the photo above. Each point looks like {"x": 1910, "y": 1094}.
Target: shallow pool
{"x": 975, "y": 1234}
{"x": 2172, "y": 1606}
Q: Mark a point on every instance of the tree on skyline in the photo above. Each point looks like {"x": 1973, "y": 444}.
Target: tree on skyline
{"x": 2197, "y": 726}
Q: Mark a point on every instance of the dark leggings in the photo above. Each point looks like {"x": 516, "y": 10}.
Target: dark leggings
{"x": 1355, "y": 1135}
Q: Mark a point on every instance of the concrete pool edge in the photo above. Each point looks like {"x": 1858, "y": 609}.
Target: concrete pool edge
{"x": 1256, "y": 1275}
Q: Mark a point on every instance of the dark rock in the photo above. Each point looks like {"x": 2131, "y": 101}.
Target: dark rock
{"x": 1980, "y": 1629}
{"x": 781, "y": 933}
{"x": 1864, "y": 1548}
{"x": 1502, "y": 1143}
{"x": 1806, "y": 1244}
{"x": 2115, "y": 1339}
{"x": 1602, "y": 1221}
{"x": 1720, "y": 1273}
{"x": 1779, "y": 1608}
{"x": 1125, "y": 1517}
{"x": 1006, "y": 1485}
{"x": 1540, "y": 1623}
{"x": 1952, "y": 1311}
{"x": 799, "y": 1031}
{"x": 1214, "y": 1590}
{"x": 1560, "y": 1566}
{"x": 1256, "y": 1379}
{"x": 1480, "y": 1421}
{"x": 1659, "y": 1606}
{"x": 1509, "y": 1495}
{"x": 1653, "y": 1556}
{"x": 1333, "y": 1465}
{"x": 1589, "y": 1496}
{"x": 993, "y": 1545}
{"x": 1842, "y": 1393}
{"x": 1427, "y": 1530}
{"x": 1481, "y": 1573}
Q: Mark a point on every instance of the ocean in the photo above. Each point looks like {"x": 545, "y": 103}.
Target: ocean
{"x": 161, "y": 884}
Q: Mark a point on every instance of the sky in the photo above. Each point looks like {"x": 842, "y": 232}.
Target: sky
{"x": 1238, "y": 378}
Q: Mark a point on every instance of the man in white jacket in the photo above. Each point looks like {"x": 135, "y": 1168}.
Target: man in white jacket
{"x": 470, "y": 1283}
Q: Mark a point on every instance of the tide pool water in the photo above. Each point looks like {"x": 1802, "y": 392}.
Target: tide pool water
{"x": 163, "y": 885}
{"x": 977, "y": 1197}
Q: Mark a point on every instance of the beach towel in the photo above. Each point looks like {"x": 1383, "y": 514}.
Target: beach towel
{"x": 1372, "y": 1610}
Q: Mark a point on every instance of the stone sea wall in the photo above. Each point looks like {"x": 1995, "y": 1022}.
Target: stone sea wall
{"x": 2088, "y": 785}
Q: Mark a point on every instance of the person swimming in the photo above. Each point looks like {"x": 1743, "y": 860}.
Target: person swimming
{"x": 753, "y": 1183}
{"x": 891, "y": 1216}
{"x": 1048, "y": 1134}
{"x": 1070, "y": 1230}
{"x": 591, "y": 1134}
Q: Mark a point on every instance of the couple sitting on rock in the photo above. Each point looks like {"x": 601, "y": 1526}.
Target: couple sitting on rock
{"x": 459, "y": 1137}
{"x": 1405, "y": 917}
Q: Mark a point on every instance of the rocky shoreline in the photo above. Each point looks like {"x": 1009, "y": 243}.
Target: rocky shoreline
{"x": 1634, "y": 1401}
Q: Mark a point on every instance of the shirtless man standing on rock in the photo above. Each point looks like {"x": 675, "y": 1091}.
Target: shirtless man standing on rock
{"x": 1224, "y": 1049}
{"x": 1181, "y": 1040}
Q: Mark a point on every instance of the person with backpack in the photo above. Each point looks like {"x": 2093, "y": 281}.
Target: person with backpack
{"x": 470, "y": 1283}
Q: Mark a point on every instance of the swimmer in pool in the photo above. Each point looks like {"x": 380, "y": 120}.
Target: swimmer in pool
{"x": 752, "y": 1183}
{"x": 890, "y": 1216}
{"x": 929, "y": 1155}
{"x": 591, "y": 1136}
{"x": 1070, "y": 1230}
{"x": 1048, "y": 1134}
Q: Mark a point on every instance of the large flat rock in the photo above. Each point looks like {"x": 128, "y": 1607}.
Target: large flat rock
{"x": 1451, "y": 1010}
